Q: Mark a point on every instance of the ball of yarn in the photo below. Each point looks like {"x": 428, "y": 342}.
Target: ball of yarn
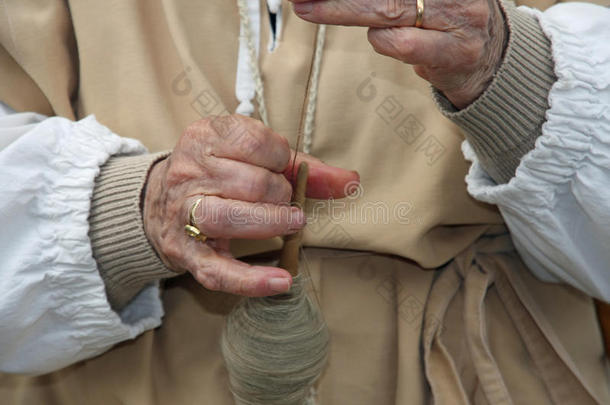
{"x": 275, "y": 348}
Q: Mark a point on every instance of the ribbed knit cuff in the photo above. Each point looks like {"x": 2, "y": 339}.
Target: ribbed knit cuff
{"x": 126, "y": 260}
{"x": 503, "y": 124}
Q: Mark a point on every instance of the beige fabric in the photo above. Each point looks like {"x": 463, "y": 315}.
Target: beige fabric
{"x": 146, "y": 71}
{"x": 50, "y": 63}
{"x": 374, "y": 306}
{"x": 486, "y": 284}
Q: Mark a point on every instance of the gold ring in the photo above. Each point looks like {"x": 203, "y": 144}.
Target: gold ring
{"x": 419, "y": 20}
{"x": 191, "y": 229}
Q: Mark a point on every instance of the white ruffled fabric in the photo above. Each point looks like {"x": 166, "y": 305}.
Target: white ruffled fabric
{"x": 557, "y": 206}
{"x": 53, "y": 307}
{"x": 245, "y": 88}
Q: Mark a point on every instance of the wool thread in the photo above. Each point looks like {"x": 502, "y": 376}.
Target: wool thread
{"x": 275, "y": 348}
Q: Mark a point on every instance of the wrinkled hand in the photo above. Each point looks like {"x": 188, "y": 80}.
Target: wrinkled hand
{"x": 458, "y": 48}
{"x": 239, "y": 167}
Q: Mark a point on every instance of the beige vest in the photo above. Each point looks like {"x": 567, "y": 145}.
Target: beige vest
{"x": 480, "y": 329}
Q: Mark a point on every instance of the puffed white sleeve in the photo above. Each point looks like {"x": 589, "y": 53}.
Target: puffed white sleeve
{"x": 557, "y": 205}
{"x": 53, "y": 306}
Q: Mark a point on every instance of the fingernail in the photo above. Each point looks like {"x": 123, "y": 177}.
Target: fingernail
{"x": 303, "y": 8}
{"x": 279, "y": 285}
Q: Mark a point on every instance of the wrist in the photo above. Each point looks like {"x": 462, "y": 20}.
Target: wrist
{"x": 126, "y": 260}
{"x": 477, "y": 82}
{"x": 152, "y": 198}
{"x": 503, "y": 123}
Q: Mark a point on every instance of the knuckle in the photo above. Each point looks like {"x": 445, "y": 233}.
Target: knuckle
{"x": 197, "y": 130}
{"x": 285, "y": 189}
{"x": 478, "y": 16}
{"x": 177, "y": 173}
{"x": 215, "y": 219}
{"x": 260, "y": 186}
{"x": 230, "y": 129}
{"x": 197, "y": 139}
{"x": 222, "y": 125}
{"x": 190, "y": 133}
{"x": 285, "y": 153}
{"x": 392, "y": 10}
{"x": 250, "y": 141}
{"x": 194, "y": 128}
{"x": 189, "y": 137}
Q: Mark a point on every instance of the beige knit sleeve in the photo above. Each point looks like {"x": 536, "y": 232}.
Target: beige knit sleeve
{"x": 125, "y": 259}
{"x": 503, "y": 124}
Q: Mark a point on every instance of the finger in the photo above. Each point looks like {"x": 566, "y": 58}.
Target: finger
{"x": 221, "y": 273}
{"x": 412, "y": 45}
{"x": 324, "y": 181}
{"x": 425, "y": 47}
{"x": 365, "y": 13}
{"x": 237, "y": 180}
{"x": 232, "y": 219}
{"x": 250, "y": 141}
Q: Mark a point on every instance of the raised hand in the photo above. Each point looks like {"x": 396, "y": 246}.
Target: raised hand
{"x": 458, "y": 47}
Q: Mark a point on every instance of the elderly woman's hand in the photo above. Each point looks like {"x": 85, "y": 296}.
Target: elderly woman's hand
{"x": 457, "y": 49}
{"x": 238, "y": 167}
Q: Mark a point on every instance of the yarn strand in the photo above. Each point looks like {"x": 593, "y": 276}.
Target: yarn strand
{"x": 312, "y": 99}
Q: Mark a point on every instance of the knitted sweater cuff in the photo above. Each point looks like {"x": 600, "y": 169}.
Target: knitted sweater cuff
{"x": 503, "y": 124}
{"x": 126, "y": 260}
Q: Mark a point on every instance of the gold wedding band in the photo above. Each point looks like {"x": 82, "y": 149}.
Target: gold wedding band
{"x": 191, "y": 229}
{"x": 419, "y": 20}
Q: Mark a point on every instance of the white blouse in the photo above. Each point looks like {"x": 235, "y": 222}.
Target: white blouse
{"x": 557, "y": 206}
{"x": 53, "y": 306}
